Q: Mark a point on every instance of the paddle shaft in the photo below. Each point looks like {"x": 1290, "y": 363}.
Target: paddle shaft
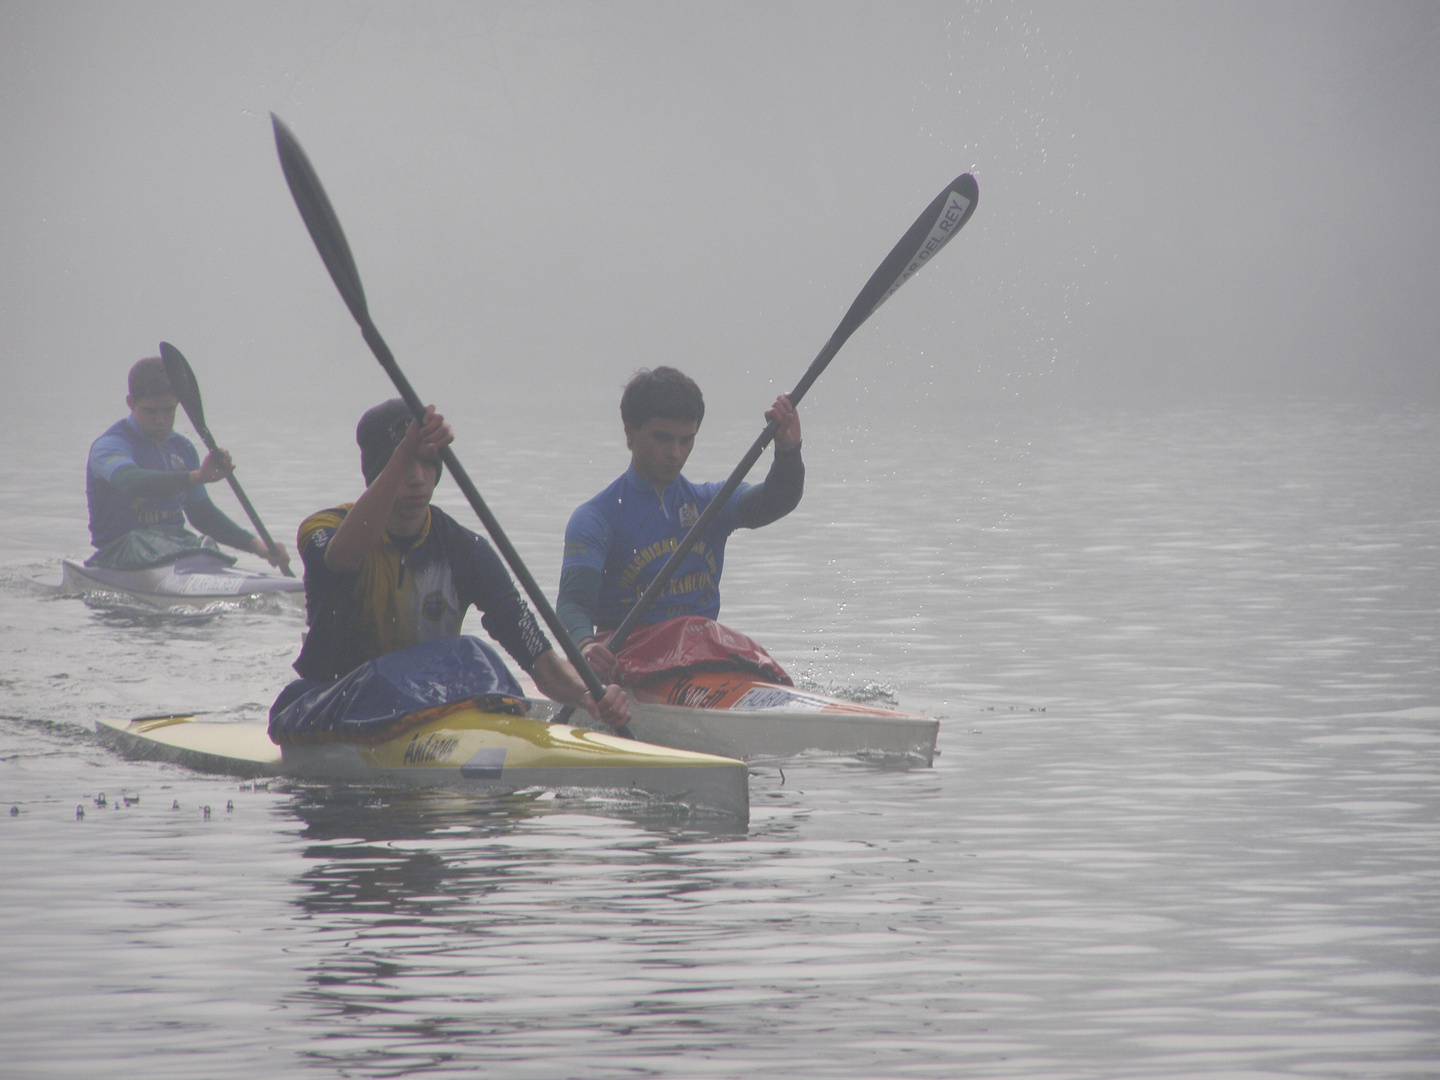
{"x": 209, "y": 442}
{"x": 324, "y": 228}
{"x": 482, "y": 511}
{"x": 184, "y": 376}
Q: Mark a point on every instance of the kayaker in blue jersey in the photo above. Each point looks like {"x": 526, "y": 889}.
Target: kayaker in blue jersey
{"x": 390, "y": 571}
{"x": 144, "y": 481}
{"x": 617, "y": 542}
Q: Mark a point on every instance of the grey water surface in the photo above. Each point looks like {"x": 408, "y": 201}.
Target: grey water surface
{"x": 1185, "y": 821}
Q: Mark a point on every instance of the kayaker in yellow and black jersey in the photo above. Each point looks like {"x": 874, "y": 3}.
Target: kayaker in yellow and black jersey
{"x": 617, "y": 541}
{"x": 391, "y": 571}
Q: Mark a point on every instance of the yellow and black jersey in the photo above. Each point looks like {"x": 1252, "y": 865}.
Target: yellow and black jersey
{"x": 408, "y": 590}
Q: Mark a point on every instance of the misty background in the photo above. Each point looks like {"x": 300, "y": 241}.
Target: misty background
{"x": 1179, "y": 203}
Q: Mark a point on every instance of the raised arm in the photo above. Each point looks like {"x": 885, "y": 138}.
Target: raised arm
{"x": 365, "y": 523}
{"x": 784, "y": 485}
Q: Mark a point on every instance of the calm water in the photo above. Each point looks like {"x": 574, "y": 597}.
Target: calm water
{"x": 1185, "y": 821}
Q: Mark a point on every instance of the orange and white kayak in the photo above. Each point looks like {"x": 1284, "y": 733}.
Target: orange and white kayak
{"x": 740, "y": 715}
{"x": 698, "y": 685}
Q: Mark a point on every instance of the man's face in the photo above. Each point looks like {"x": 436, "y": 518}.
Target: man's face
{"x": 659, "y": 448}
{"x": 412, "y": 503}
{"x": 155, "y": 416}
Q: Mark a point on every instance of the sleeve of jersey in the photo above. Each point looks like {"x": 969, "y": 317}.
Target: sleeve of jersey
{"x": 312, "y": 539}
{"x": 137, "y": 483}
{"x": 760, "y": 504}
{"x": 505, "y": 616}
{"x": 108, "y": 455}
{"x": 112, "y": 460}
{"x": 587, "y": 545}
{"x": 191, "y": 457}
{"x": 578, "y": 599}
{"x": 211, "y": 520}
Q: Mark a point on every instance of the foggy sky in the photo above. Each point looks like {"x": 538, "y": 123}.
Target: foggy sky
{"x": 1178, "y": 202}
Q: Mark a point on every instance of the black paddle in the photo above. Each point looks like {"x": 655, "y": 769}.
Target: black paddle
{"x": 329, "y": 238}
{"x": 942, "y": 219}
{"x": 182, "y": 381}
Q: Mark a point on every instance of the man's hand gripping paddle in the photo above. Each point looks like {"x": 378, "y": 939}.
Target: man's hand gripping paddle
{"x": 187, "y": 389}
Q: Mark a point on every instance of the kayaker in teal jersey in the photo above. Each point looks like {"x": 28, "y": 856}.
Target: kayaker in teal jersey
{"x": 391, "y": 572}
{"x": 617, "y": 541}
{"x": 144, "y": 481}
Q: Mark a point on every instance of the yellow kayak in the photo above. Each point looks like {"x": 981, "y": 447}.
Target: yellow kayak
{"x": 460, "y": 748}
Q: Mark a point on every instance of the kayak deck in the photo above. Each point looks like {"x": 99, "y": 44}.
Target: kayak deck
{"x": 467, "y": 749}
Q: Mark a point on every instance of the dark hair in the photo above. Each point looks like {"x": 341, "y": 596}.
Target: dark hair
{"x": 148, "y": 379}
{"x": 379, "y": 432}
{"x": 662, "y": 392}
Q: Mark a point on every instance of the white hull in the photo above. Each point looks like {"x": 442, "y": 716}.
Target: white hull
{"x": 776, "y": 733}
{"x": 191, "y": 581}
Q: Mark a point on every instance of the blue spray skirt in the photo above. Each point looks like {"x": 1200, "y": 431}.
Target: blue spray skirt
{"x": 383, "y": 697}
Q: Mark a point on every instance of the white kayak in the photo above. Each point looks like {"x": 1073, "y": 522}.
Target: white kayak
{"x": 198, "y": 579}
{"x": 735, "y": 714}
{"x": 739, "y": 715}
{"x": 696, "y": 684}
{"x": 460, "y": 748}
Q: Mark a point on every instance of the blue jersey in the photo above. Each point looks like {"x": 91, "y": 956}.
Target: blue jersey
{"x": 112, "y": 512}
{"x": 628, "y": 531}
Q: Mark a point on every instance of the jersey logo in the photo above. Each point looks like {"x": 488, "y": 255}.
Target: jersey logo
{"x": 177, "y": 461}
{"x": 433, "y": 606}
{"x": 688, "y": 515}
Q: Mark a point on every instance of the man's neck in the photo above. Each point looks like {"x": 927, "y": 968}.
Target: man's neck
{"x": 658, "y": 488}
{"x": 158, "y": 440}
{"x": 405, "y": 527}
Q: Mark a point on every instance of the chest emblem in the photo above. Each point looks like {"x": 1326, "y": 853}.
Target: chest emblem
{"x": 688, "y": 515}
{"x": 433, "y": 606}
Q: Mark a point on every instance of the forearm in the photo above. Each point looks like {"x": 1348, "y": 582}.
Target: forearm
{"x": 509, "y": 620}
{"x": 778, "y": 495}
{"x": 138, "y": 483}
{"x": 363, "y": 525}
{"x": 578, "y": 599}
{"x": 210, "y": 520}
{"x": 556, "y": 679}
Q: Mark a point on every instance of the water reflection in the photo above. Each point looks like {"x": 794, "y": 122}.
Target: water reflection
{"x": 429, "y": 918}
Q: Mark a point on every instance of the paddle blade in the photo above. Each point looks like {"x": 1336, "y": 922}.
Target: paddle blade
{"x": 183, "y": 382}
{"x": 320, "y": 219}
{"x": 933, "y": 229}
